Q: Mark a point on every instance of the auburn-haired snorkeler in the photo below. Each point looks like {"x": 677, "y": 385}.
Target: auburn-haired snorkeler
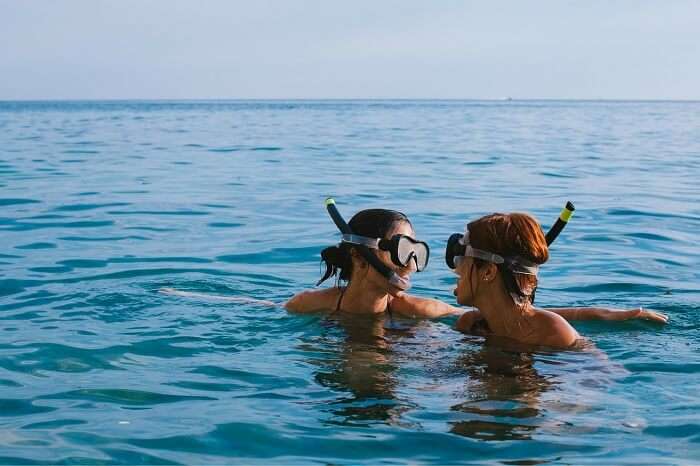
{"x": 497, "y": 260}
{"x": 377, "y": 255}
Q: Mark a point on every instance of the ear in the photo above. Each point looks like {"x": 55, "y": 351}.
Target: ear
{"x": 357, "y": 258}
{"x": 489, "y": 272}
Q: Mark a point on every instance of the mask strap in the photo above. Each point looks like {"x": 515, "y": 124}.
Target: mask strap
{"x": 372, "y": 243}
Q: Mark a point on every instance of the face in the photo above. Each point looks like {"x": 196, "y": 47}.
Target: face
{"x": 465, "y": 271}
{"x": 385, "y": 256}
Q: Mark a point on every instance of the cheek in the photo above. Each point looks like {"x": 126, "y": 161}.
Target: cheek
{"x": 385, "y": 257}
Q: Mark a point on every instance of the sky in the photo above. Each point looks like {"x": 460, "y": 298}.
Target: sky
{"x": 316, "y": 49}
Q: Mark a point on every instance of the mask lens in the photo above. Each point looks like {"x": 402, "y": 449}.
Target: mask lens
{"x": 454, "y": 249}
{"x": 422, "y": 255}
{"x": 408, "y": 249}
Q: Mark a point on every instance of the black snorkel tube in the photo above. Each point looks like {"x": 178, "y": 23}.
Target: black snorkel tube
{"x": 393, "y": 278}
{"x": 561, "y": 222}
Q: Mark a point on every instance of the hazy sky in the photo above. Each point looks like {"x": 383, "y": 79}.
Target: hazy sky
{"x": 120, "y": 49}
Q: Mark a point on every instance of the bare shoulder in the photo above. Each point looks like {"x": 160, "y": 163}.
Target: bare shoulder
{"x": 421, "y": 308}
{"x": 556, "y": 331}
{"x": 313, "y": 300}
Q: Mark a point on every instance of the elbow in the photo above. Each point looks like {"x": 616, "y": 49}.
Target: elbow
{"x": 295, "y": 303}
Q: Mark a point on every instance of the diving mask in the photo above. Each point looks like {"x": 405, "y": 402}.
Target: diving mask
{"x": 401, "y": 247}
{"x": 458, "y": 248}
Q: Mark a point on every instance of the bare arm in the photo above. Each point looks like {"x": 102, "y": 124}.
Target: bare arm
{"x": 312, "y": 301}
{"x": 600, "y": 313}
{"x": 426, "y": 308}
{"x": 466, "y": 321}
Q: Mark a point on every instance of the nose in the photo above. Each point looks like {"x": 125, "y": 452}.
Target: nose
{"x": 412, "y": 264}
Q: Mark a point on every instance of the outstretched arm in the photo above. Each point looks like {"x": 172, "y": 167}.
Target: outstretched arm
{"x": 600, "y": 313}
{"x": 425, "y": 308}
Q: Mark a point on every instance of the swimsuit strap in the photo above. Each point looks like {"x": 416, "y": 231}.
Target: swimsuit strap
{"x": 340, "y": 299}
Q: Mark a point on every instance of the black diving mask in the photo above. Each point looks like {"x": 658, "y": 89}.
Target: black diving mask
{"x": 401, "y": 247}
{"x": 458, "y": 248}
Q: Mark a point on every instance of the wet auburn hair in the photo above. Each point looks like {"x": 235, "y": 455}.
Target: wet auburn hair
{"x": 511, "y": 235}
{"x": 372, "y": 223}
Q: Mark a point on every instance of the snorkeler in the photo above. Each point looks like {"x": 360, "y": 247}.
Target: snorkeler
{"x": 497, "y": 260}
{"x": 377, "y": 255}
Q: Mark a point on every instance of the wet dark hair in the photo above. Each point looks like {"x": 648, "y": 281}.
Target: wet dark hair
{"x": 372, "y": 223}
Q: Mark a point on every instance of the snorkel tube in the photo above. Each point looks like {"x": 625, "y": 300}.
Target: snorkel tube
{"x": 561, "y": 222}
{"x": 393, "y": 278}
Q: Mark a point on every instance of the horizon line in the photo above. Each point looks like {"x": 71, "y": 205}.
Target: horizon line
{"x": 346, "y": 99}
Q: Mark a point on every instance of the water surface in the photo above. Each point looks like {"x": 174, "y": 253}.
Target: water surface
{"x": 104, "y": 203}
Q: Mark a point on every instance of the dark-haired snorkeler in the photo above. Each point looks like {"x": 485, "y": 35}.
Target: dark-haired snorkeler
{"x": 376, "y": 257}
{"x": 497, "y": 260}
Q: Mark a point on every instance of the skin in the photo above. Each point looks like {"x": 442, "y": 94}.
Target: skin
{"x": 369, "y": 292}
{"x": 483, "y": 289}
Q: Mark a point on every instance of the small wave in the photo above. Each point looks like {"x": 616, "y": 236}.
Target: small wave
{"x": 616, "y": 287}
{"x": 651, "y": 236}
{"x": 159, "y": 212}
{"x": 56, "y": 424}
{"x": 25, "y": 226}
{"x": 479, "y": 163}
{"x": 80, "y": 151}
{"x": 275, "y": 256}
{"x": 557, "y": 175}
{"x": 82, "y": 207}
{"x": 641, "y": 213}
{"x": 61, "y": 269}
{"x": 13, "y": 407}
{"x": 674, "y": 368}
{"x": 225, "y": 149}
{"x": 16, "y": 201}
{"x": 225, "y": 225}
{"x": 37, "y": 246}
{"x": 103, "y": 238}
{"x": 123, "y": 396}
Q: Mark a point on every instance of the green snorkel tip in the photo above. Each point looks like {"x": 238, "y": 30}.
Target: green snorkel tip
{"x": 329, "y": 201}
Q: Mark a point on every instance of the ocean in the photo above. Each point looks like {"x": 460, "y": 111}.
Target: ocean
{"x": 103, "y": 204}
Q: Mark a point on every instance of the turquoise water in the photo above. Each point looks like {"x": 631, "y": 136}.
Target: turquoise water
{"x": 104, "y": 203}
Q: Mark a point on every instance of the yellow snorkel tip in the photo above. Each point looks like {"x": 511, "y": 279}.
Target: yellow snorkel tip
{"x": 567, "y": 212}
{"x": 329, "y": 201}
{"x": 561, "y": 222}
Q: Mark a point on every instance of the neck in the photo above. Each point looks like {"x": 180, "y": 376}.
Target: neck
{"x": 363, "y": 298}
{"x": 503, "y": 316}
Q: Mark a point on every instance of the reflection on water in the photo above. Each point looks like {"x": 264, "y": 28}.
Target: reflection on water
{"x": 362, "y": 366}
{"x": 502, "y": 394}
{"x": 498, "y": 389}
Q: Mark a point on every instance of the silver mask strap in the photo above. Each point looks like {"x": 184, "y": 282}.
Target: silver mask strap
{"x": 516, "y": 264}
{"x": 372, "y": 243}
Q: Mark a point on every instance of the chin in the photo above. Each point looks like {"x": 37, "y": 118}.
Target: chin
{"x": 463, "y": 301}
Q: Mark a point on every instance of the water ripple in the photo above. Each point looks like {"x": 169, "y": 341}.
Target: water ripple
{"x": 225, "y": 198}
